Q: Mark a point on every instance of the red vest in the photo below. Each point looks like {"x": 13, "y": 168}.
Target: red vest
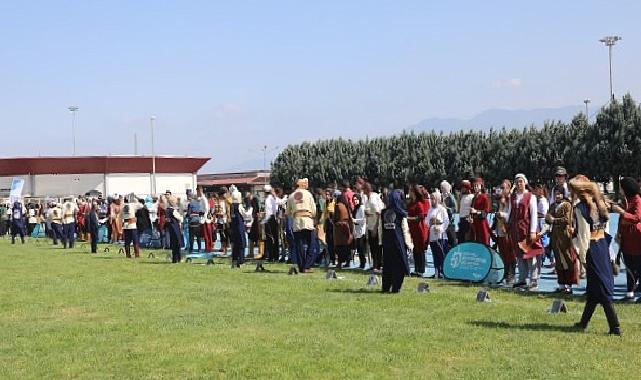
{"x": 520, "y": 217}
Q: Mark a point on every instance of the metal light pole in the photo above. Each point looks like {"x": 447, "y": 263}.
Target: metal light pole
{"x": 610, "y": 41}
{"x": 135, "y": 144}
{"x": 586, "y": 101}
{"x": 73, "y": 110}
{"x": 153, "y": 156}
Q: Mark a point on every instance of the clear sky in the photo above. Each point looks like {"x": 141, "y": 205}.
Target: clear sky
{"x": 226, "y": 78}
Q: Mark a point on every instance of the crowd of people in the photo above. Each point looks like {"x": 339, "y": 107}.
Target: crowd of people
{"x": 382, "y": 230}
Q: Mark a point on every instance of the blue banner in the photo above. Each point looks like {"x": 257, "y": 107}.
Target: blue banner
{"x": 473, "y": 262}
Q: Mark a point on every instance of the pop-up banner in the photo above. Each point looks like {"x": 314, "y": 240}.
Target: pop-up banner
{"x": 16, "y": 190}
{"x": 474, "y": 262}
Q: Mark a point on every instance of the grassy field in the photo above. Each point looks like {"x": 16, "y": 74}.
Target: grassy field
{"x": 68, "y": 314}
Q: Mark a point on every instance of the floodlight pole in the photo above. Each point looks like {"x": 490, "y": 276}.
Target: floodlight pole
{"x": 610, "y": 41}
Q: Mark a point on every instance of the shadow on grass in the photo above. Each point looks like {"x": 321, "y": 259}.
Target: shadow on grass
{"x": 526, "y": 326}
{"x": 156, "y": 262}
{"x": 355, "y": 291}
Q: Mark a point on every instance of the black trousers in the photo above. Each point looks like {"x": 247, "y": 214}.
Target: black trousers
{"x": 94, "y": 241}
{"x": 393, "y": 271}
{"x": 343, "y": 254}
{"x": 610, "y": 314}
{"x": 271, "y": 239}
{"x": 303, "y": 242}
{"x": 17, "y": 229}
{"x": 419, "y": 260}
{"x": 463, "y": 228}
{"x": 633, "y": 271}
{"x": 194, "y": 233}
{"x": 56, "y": 232}
{"x": 174, "y": 242}
{"x": 360, "y": 247}
{"x": 68, "y": 234}
{"x": 375, "y": 249}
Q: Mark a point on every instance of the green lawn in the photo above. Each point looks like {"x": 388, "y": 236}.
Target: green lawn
{"x": 68, "y": 314}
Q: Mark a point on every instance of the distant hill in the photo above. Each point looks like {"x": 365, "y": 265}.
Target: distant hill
{"x": 498, "y": 118}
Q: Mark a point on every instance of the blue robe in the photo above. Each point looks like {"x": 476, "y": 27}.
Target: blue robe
{"x": 600, "y": 280}
{"x": 238, "y": 234}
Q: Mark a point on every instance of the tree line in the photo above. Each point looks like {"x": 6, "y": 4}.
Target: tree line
{"x": 604, "y": 150}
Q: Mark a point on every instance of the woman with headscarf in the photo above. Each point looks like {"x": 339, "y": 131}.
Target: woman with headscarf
{"x": 173, "y": 219}
{"x": 396, "y": 242}
{"x": 600, "y": 280}
{"x": 478, "y": 212}
{"x": 358, "y": 216}
{"x": 416, "y": 213}
{"x": 500, "y": 231}
{"x": 523, "y": 225}
{"x": 559, "y": 216}
{"x": 438, "y": 222}
{"x": 630, "y": 234}
{"x": 343, "y": 231}
{"x": 237, "y": 229}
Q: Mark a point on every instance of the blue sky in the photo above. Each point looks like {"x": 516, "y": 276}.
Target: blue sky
{"x": 226, "y": 78}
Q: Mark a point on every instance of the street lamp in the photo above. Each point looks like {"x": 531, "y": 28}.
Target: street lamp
{"x": 73, "y": 110}
{"x": 586, "y": 101}
{"x": 610, "y": 41}
{"x": 153, "y": 156}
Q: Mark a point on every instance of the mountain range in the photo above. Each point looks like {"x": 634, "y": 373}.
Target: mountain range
{"x": 498, "y": 118}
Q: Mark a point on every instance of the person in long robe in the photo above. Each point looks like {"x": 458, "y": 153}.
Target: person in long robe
{"x": 479, "y": 211}
{"x": 500, "y": 231}
{"x": 438, "y": 222}
{"x": 416, "y": 213}
{"x": 523, "y": 224}
{"x": 116, "y": 220}
{"x": 237, "y": 230}
{"x": 172, "y": 226}
{"x": 559, "y": 216}
{"x": 343, "y": 231}
{"x": 600, "y": 279}
{"x": 396, "y": 243}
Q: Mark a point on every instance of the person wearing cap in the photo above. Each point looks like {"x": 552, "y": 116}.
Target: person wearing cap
{"x": 465, "y": 232}
{"x": 600, "y": 280}
{"x": 238, "y": 231}
{"x": 560, "y": 179}
{"x": 69, "y": 211}
{"x": 630, "y": 234}
{"x": 302, "y": 208}
{"x": 270, "y": 224}
{"x": 559, "y": 216}
{"x": 523, "y": 225}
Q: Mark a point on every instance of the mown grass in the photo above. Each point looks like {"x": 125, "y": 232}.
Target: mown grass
{"x": 68, "y": 314}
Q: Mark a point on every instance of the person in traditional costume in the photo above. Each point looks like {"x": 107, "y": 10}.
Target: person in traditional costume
{"x": 630, "y": 234}
{"x": 500, "y": 231}
{"x": 69, "y": 211}
{"x": 480, "y": 208}
{"x": 416, "y": 214}
{"x": 523, "y": 224}
{"x": 238, "y": 231}
{"x": 465, "y": 231}
{"x": 130, "y": 225}
{"x": 83, "y": 211}
{"x": 302, "y": 208}
{"x": 397, "y": 242}
{"x": 560, "y": 217}
{"x": 438, "y": 222}
{"x": 115, "y": 220}
{"x": 18, "y": 212}
{"x": 343, "y": 231}
{"x": 600, "y": 280}
{"x": 251, "y": 203}
{"x": 55, "y": 216}
{"x": 93, "y": 226}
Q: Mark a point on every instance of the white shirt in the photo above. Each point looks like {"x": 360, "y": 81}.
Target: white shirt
{"x": 271, "y": 208}
{"x": 466, "y": 205}
{"x": 438, "y": 230}
{"x": 373, "y": 207}
{"x": 69, "y": 211}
